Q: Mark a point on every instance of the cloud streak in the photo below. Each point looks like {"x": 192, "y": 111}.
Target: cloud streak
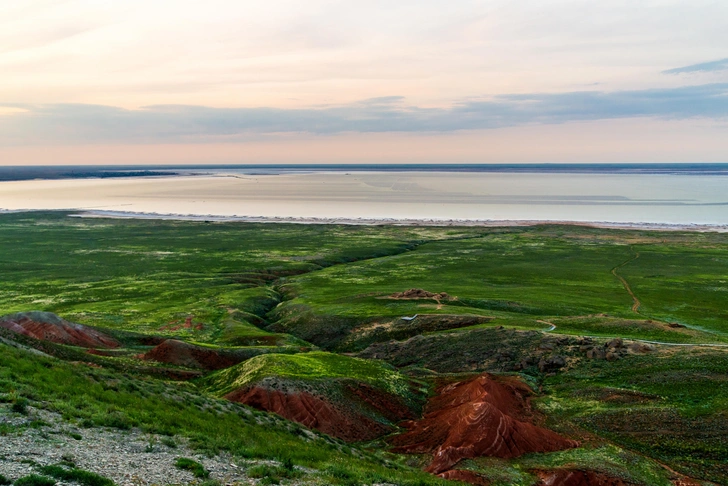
{"x": 703, "y": 67}
{"x": 83, "y": 124}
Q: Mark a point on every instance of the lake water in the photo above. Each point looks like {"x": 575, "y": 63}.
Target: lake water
{"x": 664, "y": 198}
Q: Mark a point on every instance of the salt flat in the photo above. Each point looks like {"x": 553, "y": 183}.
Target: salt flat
{"x": 620, "y": 198}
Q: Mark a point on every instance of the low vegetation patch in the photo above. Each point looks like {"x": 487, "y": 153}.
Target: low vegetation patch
{"x": 34, "y": 480}
{"x": 197, "y": 469}
{"x": 80, "y": 476}
{"x": 271, "y": 474}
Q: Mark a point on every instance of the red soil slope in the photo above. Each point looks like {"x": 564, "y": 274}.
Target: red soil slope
{"x": 346, "y": 420}
{"x": 564, "y": 477}
{"x": 184, "y": 354}
{"x": 49, "y": 327}
{"x": 465, "y": 477}
{"x": 479, "y": 417}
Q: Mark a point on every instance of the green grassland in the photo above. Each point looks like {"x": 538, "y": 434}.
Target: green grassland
{"x": 516, "y": 295}
{"x": 527, "y": 278}
{"x": 146, "y": 275}
{"x": 672, "y": 406}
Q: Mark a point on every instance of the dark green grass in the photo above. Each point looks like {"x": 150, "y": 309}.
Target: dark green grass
{"x": 685, "y": 284}
{"x": 34, "y": 480}
{"x": 76, "y": 475}
{"x": 274, "y": 474}
{"x": 669, "y": 405}
{"x": 197, "y": 469}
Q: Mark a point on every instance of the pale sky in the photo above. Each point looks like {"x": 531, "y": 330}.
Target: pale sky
{"x": 235, "y": 81}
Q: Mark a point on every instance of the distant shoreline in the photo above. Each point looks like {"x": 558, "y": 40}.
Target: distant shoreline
{"x": 718, "y": 228}
{"x": 20, "y": 173}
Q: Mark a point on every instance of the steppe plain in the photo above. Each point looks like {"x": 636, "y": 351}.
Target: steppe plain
{"x": 251, "y": 353}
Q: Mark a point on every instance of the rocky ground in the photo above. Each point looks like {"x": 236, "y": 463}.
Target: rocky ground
{"x": 129, "y": 458}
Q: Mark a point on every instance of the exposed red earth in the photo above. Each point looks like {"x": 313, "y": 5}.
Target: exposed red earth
{"x": 484, "y": 416}
{"x": 565, "y": 477}
{"x": 188, "y": 324}
{"x": 416, "y": 294}
{"x": 687, "y": 482}
{"x": 49, "y": 327}
{"x": 464, "y": 476}
{"x": 100, "y": 352}
{"x": 351, "y": 420}
{"x": 180, "y": 353}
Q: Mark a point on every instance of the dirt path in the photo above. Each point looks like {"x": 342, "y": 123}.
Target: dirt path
{"x": 637, "y": 304}
{"x": 707, "y": 345}
{"x": 553, "y": 326}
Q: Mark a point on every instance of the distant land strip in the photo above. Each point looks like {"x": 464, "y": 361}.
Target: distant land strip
{"x": 210, "y": 218}
{"x": 19, "y": 173}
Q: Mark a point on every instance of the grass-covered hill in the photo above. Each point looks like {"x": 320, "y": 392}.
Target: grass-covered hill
{"x": 619, "y": 335}
{"x": 352, "y": 398}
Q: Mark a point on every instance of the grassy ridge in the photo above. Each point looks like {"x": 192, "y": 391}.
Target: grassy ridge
{"x": 314, "y": 366}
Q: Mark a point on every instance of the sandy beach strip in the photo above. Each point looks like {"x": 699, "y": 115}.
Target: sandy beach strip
{"x": 403, "y": 222}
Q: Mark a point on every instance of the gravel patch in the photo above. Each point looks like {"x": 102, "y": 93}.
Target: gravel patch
{"x": 129, "y": 458}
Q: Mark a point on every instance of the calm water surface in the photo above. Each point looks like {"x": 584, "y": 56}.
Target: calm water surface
{"x": 584, "y": 197}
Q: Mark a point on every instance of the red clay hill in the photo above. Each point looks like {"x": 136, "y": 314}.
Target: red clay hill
{"x": 362, "y": 416}
{"x": 180, "y": 353}
{"x": 484, "y": 416}
{"x": 349, "y": 398}
{"x": 49, "y": 327}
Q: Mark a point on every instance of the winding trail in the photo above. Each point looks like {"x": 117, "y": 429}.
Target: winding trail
{"x": 553, "y": 326}
{"x": 637, "y": 304}
{"x": 706, "y": 345}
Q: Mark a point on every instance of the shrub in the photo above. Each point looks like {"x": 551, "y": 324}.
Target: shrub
{"x": 34, "y": 480}
{"x": 150, "y": 445}
{"x": 287, "y": 463}
{"x": 20, "y": 405}
{"x": 273, "y": 474}
{"x": 169, "y": 442}
{"x": 117, "y": 420}
{"x": 68, "y": 459}
{"x": 4, "y": 480}
{"x": 339, "y": 474}
{"x": 197, "y": 469}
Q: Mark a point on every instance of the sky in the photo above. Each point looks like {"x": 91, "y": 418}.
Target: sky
{"x": 463, "y": 81}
